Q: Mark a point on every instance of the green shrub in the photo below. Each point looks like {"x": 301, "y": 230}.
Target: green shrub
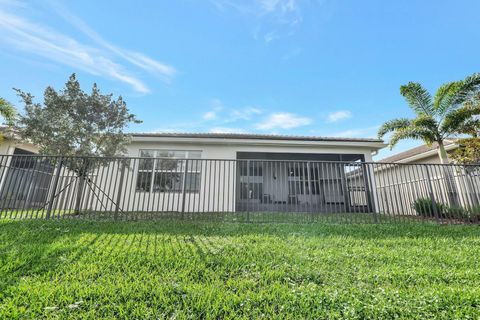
{"x": 472, "y": 215}
{"x": 425, "y": 207}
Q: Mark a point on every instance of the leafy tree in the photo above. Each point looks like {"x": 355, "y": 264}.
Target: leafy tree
{"x": 73, "y": 123}
{"x": 76, "y": 125}
{"x": 468, "y": 151}
{"x": 448, "y": 114}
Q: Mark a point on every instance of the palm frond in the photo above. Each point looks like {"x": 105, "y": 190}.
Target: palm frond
{"x": 393, "y": 125}
{"x": 418, "y": 98}
{"x": 446, "y": 97}
{"x": 452, "y": 95}
{"x": 7, "y": 111}
{"x": 457, "y": 121}
{"x": 426, "y": 122}
{"x": 470, "y": 127}
{"x": 467, "y": 88}
{"x": 412, "y": 132}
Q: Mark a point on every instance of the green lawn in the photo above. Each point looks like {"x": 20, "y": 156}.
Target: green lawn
{"x": 167, "y": 269}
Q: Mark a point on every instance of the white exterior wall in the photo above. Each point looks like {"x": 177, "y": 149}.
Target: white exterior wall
{"x": 7, "y": 147}
{"x": 229, "y": 150}
{"x": 218, "y": 179}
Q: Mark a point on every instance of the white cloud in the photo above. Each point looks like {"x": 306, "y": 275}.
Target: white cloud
{"x": 165, "y": 130}
{"x": 368, "y": 132}
{"x": 244, "y": 114}
{"x": 38, "y": 39}
{"x": 140, "y": 60}
{"x": 279, "y": 6}
{"x": 269, "y": 37}
{"x": 226, "y": 130}
{"x": 216, "y": 104}
{"x": 339, "y": 115}
{"x": 224, "y": 114}
{"x": 283, "y": 120}
{"x": 210, "y": 115}
{"x": 273, "y": 18}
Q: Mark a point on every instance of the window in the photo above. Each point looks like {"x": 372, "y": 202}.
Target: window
{"x": 298, "y": 179}
{"x": 251, "y": 180}
{"x": 165, "y": 171}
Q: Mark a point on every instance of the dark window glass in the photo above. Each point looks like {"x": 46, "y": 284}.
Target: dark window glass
{"x": 144, "y": 180}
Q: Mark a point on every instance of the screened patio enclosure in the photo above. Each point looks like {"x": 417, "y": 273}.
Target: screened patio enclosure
{"x": 287, "y": 182}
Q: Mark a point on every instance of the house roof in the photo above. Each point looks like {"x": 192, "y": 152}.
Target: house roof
{"x": 420, "y": 152}
{"x": 249, "y": 136}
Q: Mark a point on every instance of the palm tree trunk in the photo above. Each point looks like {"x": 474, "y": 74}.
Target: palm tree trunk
{"x": 442, "y": 153}
{"x": 449, "y": 176}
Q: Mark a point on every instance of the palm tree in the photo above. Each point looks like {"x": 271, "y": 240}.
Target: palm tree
{"x": 7, "y": 111}
{"x": 447, "y": 115}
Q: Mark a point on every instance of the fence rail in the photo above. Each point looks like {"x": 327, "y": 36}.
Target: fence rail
{"x": 36, "y": 186}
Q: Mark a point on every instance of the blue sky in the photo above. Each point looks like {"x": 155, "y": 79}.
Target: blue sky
{"x": 300, "y": 67}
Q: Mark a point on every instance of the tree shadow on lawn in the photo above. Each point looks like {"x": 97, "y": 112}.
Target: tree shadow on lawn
{"x": 37, "y": 247}
{"x": 47, "y": 231}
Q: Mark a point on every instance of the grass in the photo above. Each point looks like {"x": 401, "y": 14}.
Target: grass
{"x": 257, "y": 217}
{"x": 167, "y": 269}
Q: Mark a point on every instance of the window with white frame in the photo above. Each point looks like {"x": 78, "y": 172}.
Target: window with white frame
{"x": 166, "y": 170}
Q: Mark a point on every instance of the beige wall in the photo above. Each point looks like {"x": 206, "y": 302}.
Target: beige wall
{"x": 7, "y": 146}
{"x": 431, "y": 159}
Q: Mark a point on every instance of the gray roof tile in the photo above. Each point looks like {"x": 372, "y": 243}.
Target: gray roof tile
{"x": 251, "y": 136}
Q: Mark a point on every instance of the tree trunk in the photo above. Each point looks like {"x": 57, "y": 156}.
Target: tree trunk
{"x": 442, "y": 153}
{"x": 82, "y": 176}
{"x": 81, "y": 187}
{"x": 450, "y": 183}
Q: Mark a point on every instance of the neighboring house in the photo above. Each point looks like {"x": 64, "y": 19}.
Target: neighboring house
{"x": 401, "y": 175}
{"x": 11, "y": 145}
{"x": 421, "y": 154}
{"x": 17, "y": 179}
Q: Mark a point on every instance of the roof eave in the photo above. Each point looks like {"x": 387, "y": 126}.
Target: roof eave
{"x": 374, "y": 145}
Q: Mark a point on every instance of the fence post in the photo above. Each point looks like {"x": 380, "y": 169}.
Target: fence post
{"x": 430, "y": 192}
{"x": 346, "y": 187}
{"x": 309, "y": 188}
{"x": 184, "y": 182}
{"x": 248, "y": 190}
{"x": 82, "y": 176}
{"x": 368, "y": 176}
{"x": 120, "y": 188}
{"x": 54, "y": 187}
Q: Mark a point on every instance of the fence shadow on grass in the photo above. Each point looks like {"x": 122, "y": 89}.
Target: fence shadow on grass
{"x": 45, "y": 232}
{"x": 37, "y": 247}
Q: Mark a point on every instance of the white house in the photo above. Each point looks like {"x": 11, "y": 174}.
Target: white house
{"x": 418, "y": 173}
{"x": 422, "y": 154}
{"x": 209, "y": 172}
{"x": 247, "y": 171}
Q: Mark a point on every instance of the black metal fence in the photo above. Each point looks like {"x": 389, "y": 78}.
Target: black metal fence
{"x": 35, "y": 186}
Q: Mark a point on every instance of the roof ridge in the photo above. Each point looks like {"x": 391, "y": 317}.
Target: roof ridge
{"x": 415, "y": 151}
{"x": 250, "y": 135}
